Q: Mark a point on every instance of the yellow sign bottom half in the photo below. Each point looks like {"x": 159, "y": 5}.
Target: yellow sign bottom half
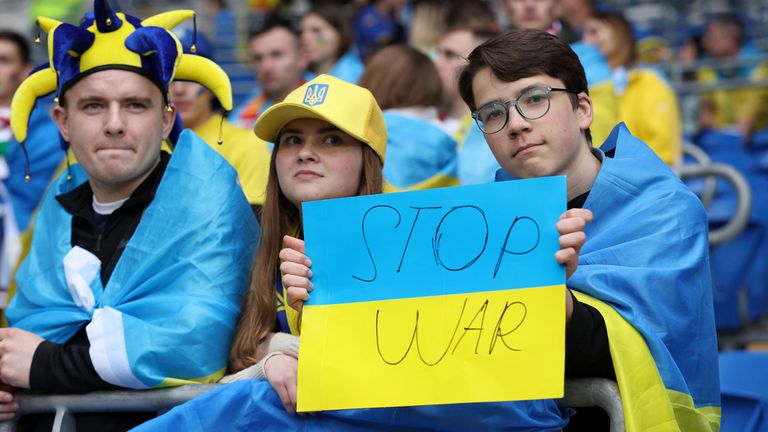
{"x": 477, "y": 347}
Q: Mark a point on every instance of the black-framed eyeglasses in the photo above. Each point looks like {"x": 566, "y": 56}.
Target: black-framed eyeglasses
{"x": 531, "y": 105}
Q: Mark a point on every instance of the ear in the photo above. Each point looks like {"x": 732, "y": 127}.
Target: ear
{"x": 169, "y": 117}
{"x": 584, "y": 111}
{"x": 60, "y": 116}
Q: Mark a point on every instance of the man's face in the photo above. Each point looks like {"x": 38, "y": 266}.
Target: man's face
{"x": 12, "y": 70}
{"x": 278, "y": 60}
{"x": 193, "y": 102}
{"x": 115, "y": 122}
{"x": 718, "y": 42}
{"x": 550, "y": 145}
{"x": 452, "y": 53}
{"x": 531, "y": 14}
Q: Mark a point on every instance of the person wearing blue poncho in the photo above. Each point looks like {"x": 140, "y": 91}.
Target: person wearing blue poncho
{"x": 133, "y": 279}
{"x": 643, "y": 283}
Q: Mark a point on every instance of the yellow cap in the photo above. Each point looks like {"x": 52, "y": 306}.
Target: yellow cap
{"x": 349, "y": 107}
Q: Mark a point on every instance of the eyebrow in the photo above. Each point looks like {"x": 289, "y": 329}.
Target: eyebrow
{"x": 92, "y": 98}
{"x": 519, "y": 93}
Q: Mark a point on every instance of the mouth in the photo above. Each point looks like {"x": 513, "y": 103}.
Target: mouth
{"x": 525, "y": 149}
{"x": 307, "y": 175}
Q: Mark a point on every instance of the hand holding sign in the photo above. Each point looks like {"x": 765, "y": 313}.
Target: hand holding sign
{"x": 438, "y": 296}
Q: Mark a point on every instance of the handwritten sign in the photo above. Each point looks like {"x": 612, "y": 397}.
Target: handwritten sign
{"x": 433, "y": 297}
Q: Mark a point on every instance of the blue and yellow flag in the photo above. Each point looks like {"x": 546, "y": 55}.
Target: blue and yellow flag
{"x": 433, "y": 297}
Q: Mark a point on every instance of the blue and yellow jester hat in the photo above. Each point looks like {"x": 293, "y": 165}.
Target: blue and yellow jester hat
{"x": 114, "y": 40}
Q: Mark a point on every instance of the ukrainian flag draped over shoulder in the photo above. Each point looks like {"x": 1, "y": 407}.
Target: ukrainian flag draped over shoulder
{"x": 420, "y": 155}
{"x": 170, "y": 307}
{"x": 645, "y": 267}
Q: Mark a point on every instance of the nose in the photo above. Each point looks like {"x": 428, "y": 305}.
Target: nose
{"x": 114, "y": 124}
{"x": 307, "y": 152}
{"x": 516, "y": 123}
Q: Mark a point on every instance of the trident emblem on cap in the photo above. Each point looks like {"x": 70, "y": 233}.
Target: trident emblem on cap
{"x": 315, "y": 94}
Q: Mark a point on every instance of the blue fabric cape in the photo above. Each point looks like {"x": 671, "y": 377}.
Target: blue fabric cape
{"x": 171, "y": 305}
{"x": 252, "y": 405}
{"x": 420, "y": 155}
{"x": 647, "y": 256}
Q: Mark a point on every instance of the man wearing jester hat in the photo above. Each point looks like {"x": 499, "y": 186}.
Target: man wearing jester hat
{"x": 139, "y": 259}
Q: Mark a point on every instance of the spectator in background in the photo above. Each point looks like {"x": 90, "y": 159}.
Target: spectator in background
{"x": 280, "y": 68}
{"x": 476, "y": 162}
{"x": 326, "y": 38}
{"x": 428, "y": 21}
{"x": 744, "y": 109}
{"x": 41, "y": 153}
{"x": 407, "y": 87}
{"x": 476, "y": 14}
{"x": 538, "y": 14}
{"x": 377, "y": 25}
{"x": 202, "y": 112}
{"x": 575, "y": 13}
{"x": 42, "y": 143}
{"x": 647, "y": 103}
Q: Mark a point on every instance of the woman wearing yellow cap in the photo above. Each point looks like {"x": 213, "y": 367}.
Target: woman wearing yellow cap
{"x": 330, "y": 140}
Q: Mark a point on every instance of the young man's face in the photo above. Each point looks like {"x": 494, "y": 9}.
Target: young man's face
{"x": 452, "y": 52}
{"x": 12, "y": 70}
{"x": 115, "y": 122}
{"x": 531, "y": 14}
{"x": 551, "y": 145}
{"x": 279, "y": 62}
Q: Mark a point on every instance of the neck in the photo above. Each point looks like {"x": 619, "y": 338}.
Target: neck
{"x": 5, "y": 102}
{"x": 111, "y": 192}
{"x": 582, "y": 173}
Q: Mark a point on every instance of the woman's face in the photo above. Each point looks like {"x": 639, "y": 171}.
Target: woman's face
{"x": 318, "y": 39}
{"x": 602, "y": 36}
{"x": 316, "y": 160}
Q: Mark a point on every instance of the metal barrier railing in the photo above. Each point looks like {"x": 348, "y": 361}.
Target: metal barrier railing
{"x": 595, "y": 392}
{"x": 579, "y": 393}
{"x": 739, "y": 221}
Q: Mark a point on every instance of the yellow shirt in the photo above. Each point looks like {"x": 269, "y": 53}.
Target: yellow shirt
{"x": 650, "y": 110}
{"x": 248, "y": 154}
{"x": 739, "y": 104}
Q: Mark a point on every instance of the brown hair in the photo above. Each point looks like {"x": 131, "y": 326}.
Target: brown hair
{"x": 621, "y": 30}
{"x": 278, "y": 217}
{"x": 400, "y": 76}
{"x": 521, "y": 54}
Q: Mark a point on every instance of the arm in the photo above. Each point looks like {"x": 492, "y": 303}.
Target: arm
{"x": 30, "y": 362}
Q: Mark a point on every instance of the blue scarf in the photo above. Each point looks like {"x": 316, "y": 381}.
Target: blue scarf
{"x": 170, "y": 307}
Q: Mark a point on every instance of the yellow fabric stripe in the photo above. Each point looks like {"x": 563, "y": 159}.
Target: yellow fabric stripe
{"x": 647, "y": 404}
{"x": 436, "y": 181}
{"x": 210, "y": 379}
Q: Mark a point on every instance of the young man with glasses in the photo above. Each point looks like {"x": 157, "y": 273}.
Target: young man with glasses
{"x": 641, "y": 296}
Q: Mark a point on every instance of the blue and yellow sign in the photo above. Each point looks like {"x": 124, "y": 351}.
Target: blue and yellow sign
{"x": 434, "y": 297}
